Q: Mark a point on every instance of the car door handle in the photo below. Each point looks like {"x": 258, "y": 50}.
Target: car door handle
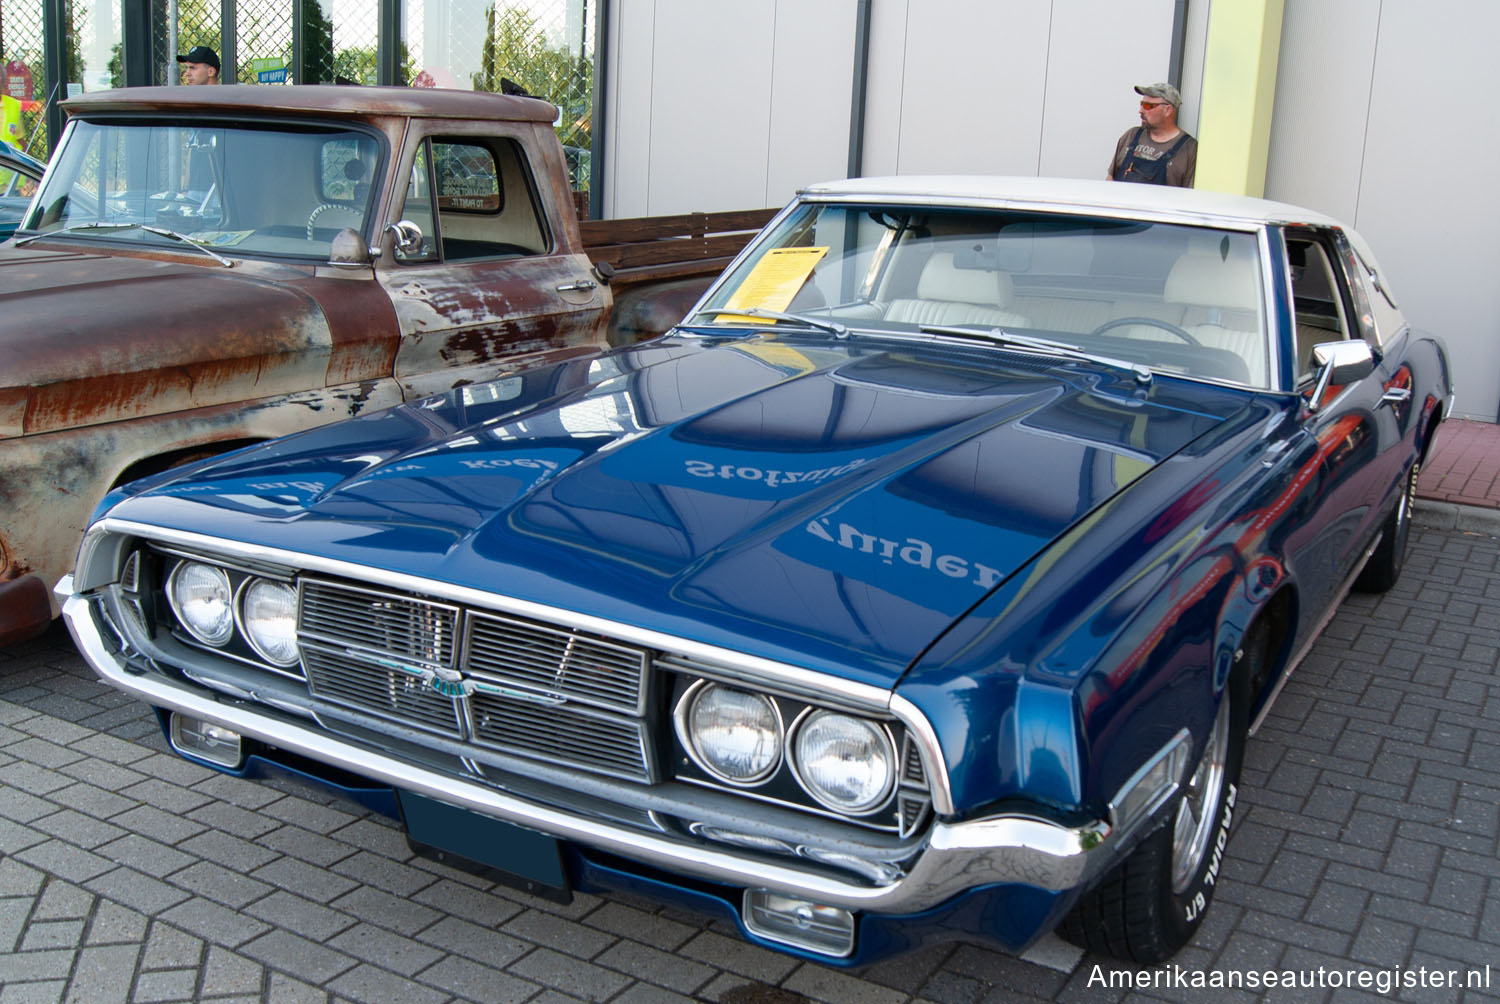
{"x": 577, "y": 286}
{"x": 1396, "y": 395}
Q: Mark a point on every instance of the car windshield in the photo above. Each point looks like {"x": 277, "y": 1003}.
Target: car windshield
{"x": 239, "y": 190}
{"x": 1176, "y": 299}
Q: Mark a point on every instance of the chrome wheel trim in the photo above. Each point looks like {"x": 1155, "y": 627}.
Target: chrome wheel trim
{"x": 1407, "y": 501}
{"x": 1192, "y": 833}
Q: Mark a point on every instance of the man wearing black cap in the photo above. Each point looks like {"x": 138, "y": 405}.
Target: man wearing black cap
{"x": 1156, "y": 152}
{"x": 200, "y": 65}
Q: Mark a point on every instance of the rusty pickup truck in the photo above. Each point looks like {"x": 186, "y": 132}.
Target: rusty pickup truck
{"x": 207, "y": 268}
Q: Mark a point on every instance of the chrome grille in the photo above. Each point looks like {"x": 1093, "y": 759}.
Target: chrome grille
{"x": 911, "y": 765}
{"x": 557, "y": 662}
{"x": 382, "y": 622}
{"x": 523, "y": 687}
{"x": 558, "y": 733}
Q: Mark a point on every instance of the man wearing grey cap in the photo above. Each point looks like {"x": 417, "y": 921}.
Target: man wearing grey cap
{"x": 1156, "y": 152}
{"x": 200, "y": 65}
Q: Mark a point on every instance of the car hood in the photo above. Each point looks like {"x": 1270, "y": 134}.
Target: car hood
{"x": 831, "y": 503}
{"x": 127, "y": 335}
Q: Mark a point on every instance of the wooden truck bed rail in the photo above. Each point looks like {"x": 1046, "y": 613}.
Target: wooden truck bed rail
{"x": 671, "y": 247}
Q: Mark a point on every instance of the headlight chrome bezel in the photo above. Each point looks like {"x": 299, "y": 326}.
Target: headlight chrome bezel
{"x": 187, "y": 623}
{"x": 785, "y": 781}
{"x": 881, "y": 735}
{"x": 243, "y": 620}
{"x": 689, "y": 738}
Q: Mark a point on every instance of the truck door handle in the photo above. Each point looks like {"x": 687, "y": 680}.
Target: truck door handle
{"x": 578, "y": 285}
{"x": 1396, "y": 395}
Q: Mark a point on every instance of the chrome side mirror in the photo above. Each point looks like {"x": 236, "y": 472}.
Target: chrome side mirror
{"x": 1340, "y": 363}
{"x": 408, "y": 236}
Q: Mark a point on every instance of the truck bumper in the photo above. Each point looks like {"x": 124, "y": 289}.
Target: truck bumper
{"x": 25, "y": 609}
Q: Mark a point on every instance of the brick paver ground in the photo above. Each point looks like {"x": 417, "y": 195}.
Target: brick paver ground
{"x": 1464, "y": 465}
{"x": 1366, "y": 841}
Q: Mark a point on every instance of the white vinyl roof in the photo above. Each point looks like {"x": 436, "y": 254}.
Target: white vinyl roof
{"x": 1071, "y": 193}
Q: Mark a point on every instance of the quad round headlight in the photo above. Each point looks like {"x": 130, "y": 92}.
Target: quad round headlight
{"x": 844, "y": 762}
{"x": 202, "y": 601}
{"x": 268, "y": 612}
{"x": 733, "y": 734}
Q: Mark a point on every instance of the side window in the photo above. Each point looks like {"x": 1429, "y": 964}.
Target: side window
{"x": 1379, "y": 316}
{"x": 1320, "y": 305}
{"x": 486, "y": 204}
{"x": 418, "y": 209}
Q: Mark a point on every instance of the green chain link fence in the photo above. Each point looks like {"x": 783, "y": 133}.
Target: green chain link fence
{"x": 26, "y": 88}
{"x": 543, "y": 47}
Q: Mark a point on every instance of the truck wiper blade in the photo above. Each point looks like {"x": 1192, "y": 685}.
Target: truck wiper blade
{"x": 95, "y": 225}
{"x": 185, "y": 239}
{"x": 159, "y": 231}
{"x": 832, "y": 327}
{"x": 999, "y": 336}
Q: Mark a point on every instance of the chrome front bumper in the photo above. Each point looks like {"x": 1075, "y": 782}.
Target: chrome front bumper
{"x": 958, "y": 856}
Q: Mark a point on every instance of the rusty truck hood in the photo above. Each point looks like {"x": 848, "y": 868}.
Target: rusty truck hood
{"x": 91, "y": 336}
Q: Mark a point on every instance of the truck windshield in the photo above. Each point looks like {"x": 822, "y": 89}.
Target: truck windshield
{"x": 239, "y": 190}
{"x": 1175, "y": 299}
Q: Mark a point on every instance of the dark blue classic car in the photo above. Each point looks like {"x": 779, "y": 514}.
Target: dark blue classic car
{"x": 19, "y": 173}
{"x": 925, "y": 583}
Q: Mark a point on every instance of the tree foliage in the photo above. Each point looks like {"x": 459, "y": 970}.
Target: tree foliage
{"x": 515, "y": 48}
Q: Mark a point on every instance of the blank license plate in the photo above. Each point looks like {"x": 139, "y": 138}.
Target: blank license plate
{"x": 462, "y": 838}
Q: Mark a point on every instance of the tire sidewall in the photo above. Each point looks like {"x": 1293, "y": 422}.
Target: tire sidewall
{"x": 1181, "y": 914}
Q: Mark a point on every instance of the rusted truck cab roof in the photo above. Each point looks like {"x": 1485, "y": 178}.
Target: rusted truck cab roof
{"x": 323, "y": 100}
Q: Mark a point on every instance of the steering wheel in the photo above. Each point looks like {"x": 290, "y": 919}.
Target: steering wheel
{"x": 1154, "y": 322}
{"x": 322, "y": 208}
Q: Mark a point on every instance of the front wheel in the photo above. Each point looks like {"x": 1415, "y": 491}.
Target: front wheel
{"x": 1154, "y": 901}
{"x": 1384, "y": 567}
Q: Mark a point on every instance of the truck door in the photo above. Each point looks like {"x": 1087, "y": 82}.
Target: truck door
{"x": 480, "y": 275}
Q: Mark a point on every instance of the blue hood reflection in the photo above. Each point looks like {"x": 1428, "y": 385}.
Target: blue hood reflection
{"x": 833, "y": 503}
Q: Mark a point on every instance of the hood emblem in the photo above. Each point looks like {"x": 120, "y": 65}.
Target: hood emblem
{"x": 448, "y": 682}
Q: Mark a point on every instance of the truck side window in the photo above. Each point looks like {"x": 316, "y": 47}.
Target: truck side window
{"x": 418, "y": 210}
{"x": 485, "y": 201}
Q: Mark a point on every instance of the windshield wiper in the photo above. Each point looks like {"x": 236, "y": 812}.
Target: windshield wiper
{"x": 999, "y": 336}
{"x": 96, "y": 225}
{"x": 832, "y": 327}
{"x": 185, "y": 239}
{"x": 159, "y": 231}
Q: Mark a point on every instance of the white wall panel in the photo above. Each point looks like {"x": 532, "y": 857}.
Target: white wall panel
{"x": 1428, "y": 201}
{"x": 1097, "y": 51}
{"x": 726, "y": 105}
{"x": 627, "y": 138}
{"x": 1382, "y": 120}
{"x": 710, "y": 105}
{"x": 887, "y": 56}
{"x": 974, "y": 80}
{"x": 1322, "y": 104}
{"x": 811, "y": 93}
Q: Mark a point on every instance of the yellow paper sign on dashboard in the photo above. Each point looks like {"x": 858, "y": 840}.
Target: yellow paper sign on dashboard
{"x": 773, "y": 282}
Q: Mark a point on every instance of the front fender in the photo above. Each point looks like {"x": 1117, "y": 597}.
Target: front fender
{"x": 1076, "y": 670}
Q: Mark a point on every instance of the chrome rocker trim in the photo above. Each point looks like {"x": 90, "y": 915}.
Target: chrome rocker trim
{"x": 958, "y": 857}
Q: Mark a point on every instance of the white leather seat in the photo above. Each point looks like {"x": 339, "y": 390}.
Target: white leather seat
{"x": 947, "y": 295}
{"x": 1228, "y": 287}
